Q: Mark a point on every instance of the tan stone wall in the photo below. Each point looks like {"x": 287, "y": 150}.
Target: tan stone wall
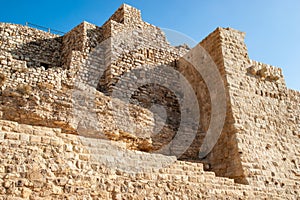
{"x": 39, "y": 96}
{"x": 258, "y": 145}
{"x": 45, "y": 97}
{"x": 44, "y": 163}
{"x": 224, "y": 159}
{"x": 265, "y": 117}
{"x": 50, "y": 82}
{"x": 135, "y": 44}
{"x": 126, "y": 14}
{"x": 37, "y": 48}
{"x": 55, "y": 105}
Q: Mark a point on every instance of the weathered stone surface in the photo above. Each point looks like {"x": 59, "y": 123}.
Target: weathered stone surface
{"x": 69, "y": 131}
{"x": 59, "y": 176}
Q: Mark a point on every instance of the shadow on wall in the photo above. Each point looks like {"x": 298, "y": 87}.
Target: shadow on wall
{"x": 39, "y": 53}
{"x": 164, "y": 104}
{"x": 47, "y": 53}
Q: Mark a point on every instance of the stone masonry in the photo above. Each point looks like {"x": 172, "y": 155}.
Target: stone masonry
{"x": 77, "y": 120}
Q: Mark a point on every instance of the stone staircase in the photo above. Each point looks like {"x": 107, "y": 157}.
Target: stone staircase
{"x": 43, "y": 163}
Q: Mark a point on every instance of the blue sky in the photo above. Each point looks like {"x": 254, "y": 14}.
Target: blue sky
{"x": 272, "y": 27}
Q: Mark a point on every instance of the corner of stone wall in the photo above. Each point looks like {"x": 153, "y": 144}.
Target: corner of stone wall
{"x": 263, "y": 114}
{"x": 125, "y": 14}
{"x": 255, "y": 91}
{"x": 225, "y": 158}
{"x": 72, "y": 41}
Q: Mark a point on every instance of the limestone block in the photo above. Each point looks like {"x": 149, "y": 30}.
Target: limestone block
{"x": 11, "y": 136}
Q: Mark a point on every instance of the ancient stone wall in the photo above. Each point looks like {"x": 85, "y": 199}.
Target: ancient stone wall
{"x": 224, "y": 159}
{"x": 47, "y": 104}
{"x": 67, "y": 95}
{"x": 264, "y": 113}
{"x": 44, "y": 163}
{"x": 37, "y": 48}
{"x": 135, "y": 66}
{"x": 52, "y": 96}
{"x": 126, "y": 14}
{"x": 134, "y": 44}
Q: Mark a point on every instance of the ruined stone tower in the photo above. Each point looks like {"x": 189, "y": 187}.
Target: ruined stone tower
{"x": 78, "y": 119}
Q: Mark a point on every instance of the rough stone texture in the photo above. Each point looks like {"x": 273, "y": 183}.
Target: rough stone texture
{"x": 44, "y": 163}
{"x": 266, "y": 116}
{"x": 36, "y": 47}
{"x": 60, "y": 103}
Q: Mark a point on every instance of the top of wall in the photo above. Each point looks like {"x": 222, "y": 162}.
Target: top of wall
{"x": 126, "y": 14}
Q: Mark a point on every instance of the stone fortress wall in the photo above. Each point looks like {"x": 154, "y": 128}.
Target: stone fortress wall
{"x": 263, "y": 112}
{"x": 45, "y": 96}
{"x": 42, "y": 76}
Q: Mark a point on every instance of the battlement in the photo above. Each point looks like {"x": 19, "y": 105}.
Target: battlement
{"x": 266, "y": 72}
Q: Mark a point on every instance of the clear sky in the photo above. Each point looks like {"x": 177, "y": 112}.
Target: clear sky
{"x": 272, "y": 26}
